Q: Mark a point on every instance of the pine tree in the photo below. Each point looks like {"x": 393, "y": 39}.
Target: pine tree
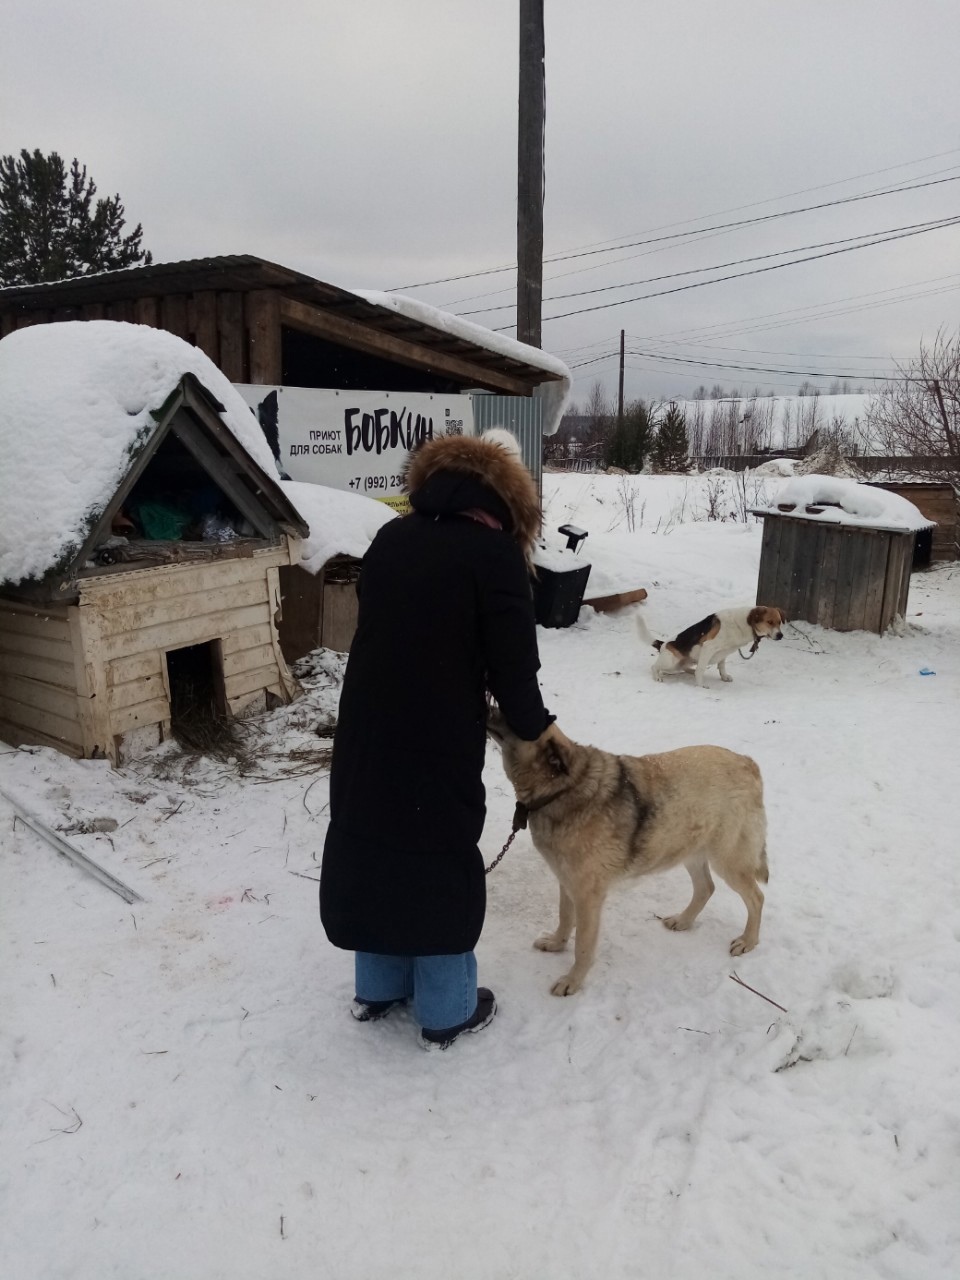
{"x": 50, "y": 226}
{"x": 671, "y": 448}
{"x": 631, "y": 440}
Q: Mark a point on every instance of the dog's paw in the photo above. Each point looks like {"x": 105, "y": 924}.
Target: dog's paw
{"x": 740, "y": 946}
{"x": 549, "y": 942}
{"x": 675, "y": 922}
{"x": 565, "y": 986}
{"x": 725, "y": 678}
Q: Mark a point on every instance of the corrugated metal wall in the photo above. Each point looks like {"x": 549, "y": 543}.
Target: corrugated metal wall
{"x": 523, "y": 415}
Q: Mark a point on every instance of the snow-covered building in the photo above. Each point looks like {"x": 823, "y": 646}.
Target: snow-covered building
{"x": 265, "y": 324}
{"x": 142, "y": 532}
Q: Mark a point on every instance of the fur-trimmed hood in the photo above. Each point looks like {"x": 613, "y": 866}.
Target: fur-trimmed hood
{"x": 454, "y": 473}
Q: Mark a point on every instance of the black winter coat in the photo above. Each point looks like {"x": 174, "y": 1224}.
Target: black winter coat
{"x": 446, "y": 611}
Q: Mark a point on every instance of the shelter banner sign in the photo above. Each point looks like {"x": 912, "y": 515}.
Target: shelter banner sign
{"x": 355, "y": 440}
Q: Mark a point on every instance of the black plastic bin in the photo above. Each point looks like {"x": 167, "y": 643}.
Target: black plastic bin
{"x": 557, "y": 596}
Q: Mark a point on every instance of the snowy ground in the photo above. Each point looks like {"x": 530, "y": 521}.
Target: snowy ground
{"x": 185, "y": 1095}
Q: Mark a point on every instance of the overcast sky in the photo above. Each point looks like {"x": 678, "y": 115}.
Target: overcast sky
{"x": 372, "y": 143}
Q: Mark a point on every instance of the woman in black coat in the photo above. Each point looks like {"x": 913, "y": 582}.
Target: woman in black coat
{"x": 446, "y": 612}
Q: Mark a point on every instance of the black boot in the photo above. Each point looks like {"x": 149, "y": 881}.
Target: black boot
{"x": 373, "y": 1010}
{"x": 482, "y": 1017}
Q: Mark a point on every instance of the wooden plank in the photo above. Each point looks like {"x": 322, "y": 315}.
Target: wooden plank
{"x": 248, "y": 659}
{"x": 340, "y": 608}
{"x": 903, "y": 584}
{"x": 357, "y": 337}
{"x": 246, "y": 681}
{"x": 44, "y": 697}
{"x": 94, "y": 702}
{"x": 806, "y": 593}
{"x": 786, "y": 555}
{"x": 262, "y": 311}
{"x": 146, "y": 311}
{"x": 170, "y": 581}
{"x": 147, "y": 689}
{"x": 289, "y": 684}
{"x": 139, "y": 667}
{"x": 244, "y": 702}
{"x": 197, "y": 604}
{"x": 611, "y": 604}
{"x": 31, "y": 667}
{"x": 52, "y": 650}
{"x": 769, "y": 549}
{"x": 94, "y": 311}
{"x": 18, "y": 735}
{"x": 26, "y": 619}
{"x": 32, "y": 719}
{"x": 232, "y": 339}
{"x": 826, "y": 604}
{"x": 173, "y": 314}
{"x": 126, "y": 718}
{"x": 121, "y": 310}
{"x": 876, "y": 581}
{"x": 8, "y": 323}
{"x": 854, "y": 568}
{"x": 202, "y": 323}
{"x": 301, "y": 595}
{"x": 177, "y": 635}
{"x": 245, "y": 638}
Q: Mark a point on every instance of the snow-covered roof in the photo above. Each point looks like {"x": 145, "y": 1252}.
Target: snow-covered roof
{"x": 555, "y": 392}
{"x": 833, "y": 500}
{"x": 341, "y": 523}
{"x": 76, "y": 405}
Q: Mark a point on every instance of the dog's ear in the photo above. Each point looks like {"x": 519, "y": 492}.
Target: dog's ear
{"x": 783, "y": 618}
{"x": 555, "y": 757}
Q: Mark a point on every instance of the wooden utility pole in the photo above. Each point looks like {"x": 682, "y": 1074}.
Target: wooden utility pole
{"x": 620, "y": 391}
{"x": 530, "y": 173}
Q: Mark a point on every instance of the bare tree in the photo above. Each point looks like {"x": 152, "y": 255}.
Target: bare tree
{"x": 599, "y": 421}
{"x": 918, "y": 414}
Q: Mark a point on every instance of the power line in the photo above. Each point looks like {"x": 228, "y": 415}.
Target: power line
{"x": 736, "y": 262}
{"x": 742, "y": 222}
{"x": 737, "y": 275}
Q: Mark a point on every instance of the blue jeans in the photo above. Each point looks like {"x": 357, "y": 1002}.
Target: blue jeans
{"x": 444, "y": 988}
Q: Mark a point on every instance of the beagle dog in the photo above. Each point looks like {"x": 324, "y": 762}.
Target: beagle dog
{"x": 710, "y": 642}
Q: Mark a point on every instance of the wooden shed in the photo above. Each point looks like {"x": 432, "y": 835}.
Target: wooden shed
{"x": 265, "y": 324}
{"x": 260, "y": 322}
{"x": 837, "y": 554}
{"x": 937, "y": 499}
{"x": 125, "y": 604}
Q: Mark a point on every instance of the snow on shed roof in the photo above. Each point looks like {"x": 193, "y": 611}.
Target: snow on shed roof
{"x": 554, "y": 394}
{"x": 341, "y": 523}
{"x": 76, "y": 406}
{"x": 848, "y": 502}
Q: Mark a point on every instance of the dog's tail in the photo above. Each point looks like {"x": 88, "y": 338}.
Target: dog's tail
{"x": 645, "y": 635}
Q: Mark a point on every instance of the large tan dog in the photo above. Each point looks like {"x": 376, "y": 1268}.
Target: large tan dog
{"x": 598, "y": 817}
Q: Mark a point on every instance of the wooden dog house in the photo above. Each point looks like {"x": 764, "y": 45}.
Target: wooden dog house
{"x": 129, "y": 585}
{"x": 832, "y": 557}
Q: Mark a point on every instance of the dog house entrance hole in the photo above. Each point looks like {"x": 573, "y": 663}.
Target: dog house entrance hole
{"x": 198, "y": 710}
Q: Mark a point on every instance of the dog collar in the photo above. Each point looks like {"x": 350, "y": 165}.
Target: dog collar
{"x": 522, "y": 810}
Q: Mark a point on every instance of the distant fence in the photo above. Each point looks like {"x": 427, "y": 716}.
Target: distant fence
{"x": 571, "y": 464}
{"x": 871, "y": 464}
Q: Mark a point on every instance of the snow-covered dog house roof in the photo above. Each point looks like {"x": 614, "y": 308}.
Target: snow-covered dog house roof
{"x": 143, "y": 530}
{"x": 838, "y": 553}
{"x": 834, "y": 500}
{"x": 264, "y": 323}
{"x": 85, "y": 409}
